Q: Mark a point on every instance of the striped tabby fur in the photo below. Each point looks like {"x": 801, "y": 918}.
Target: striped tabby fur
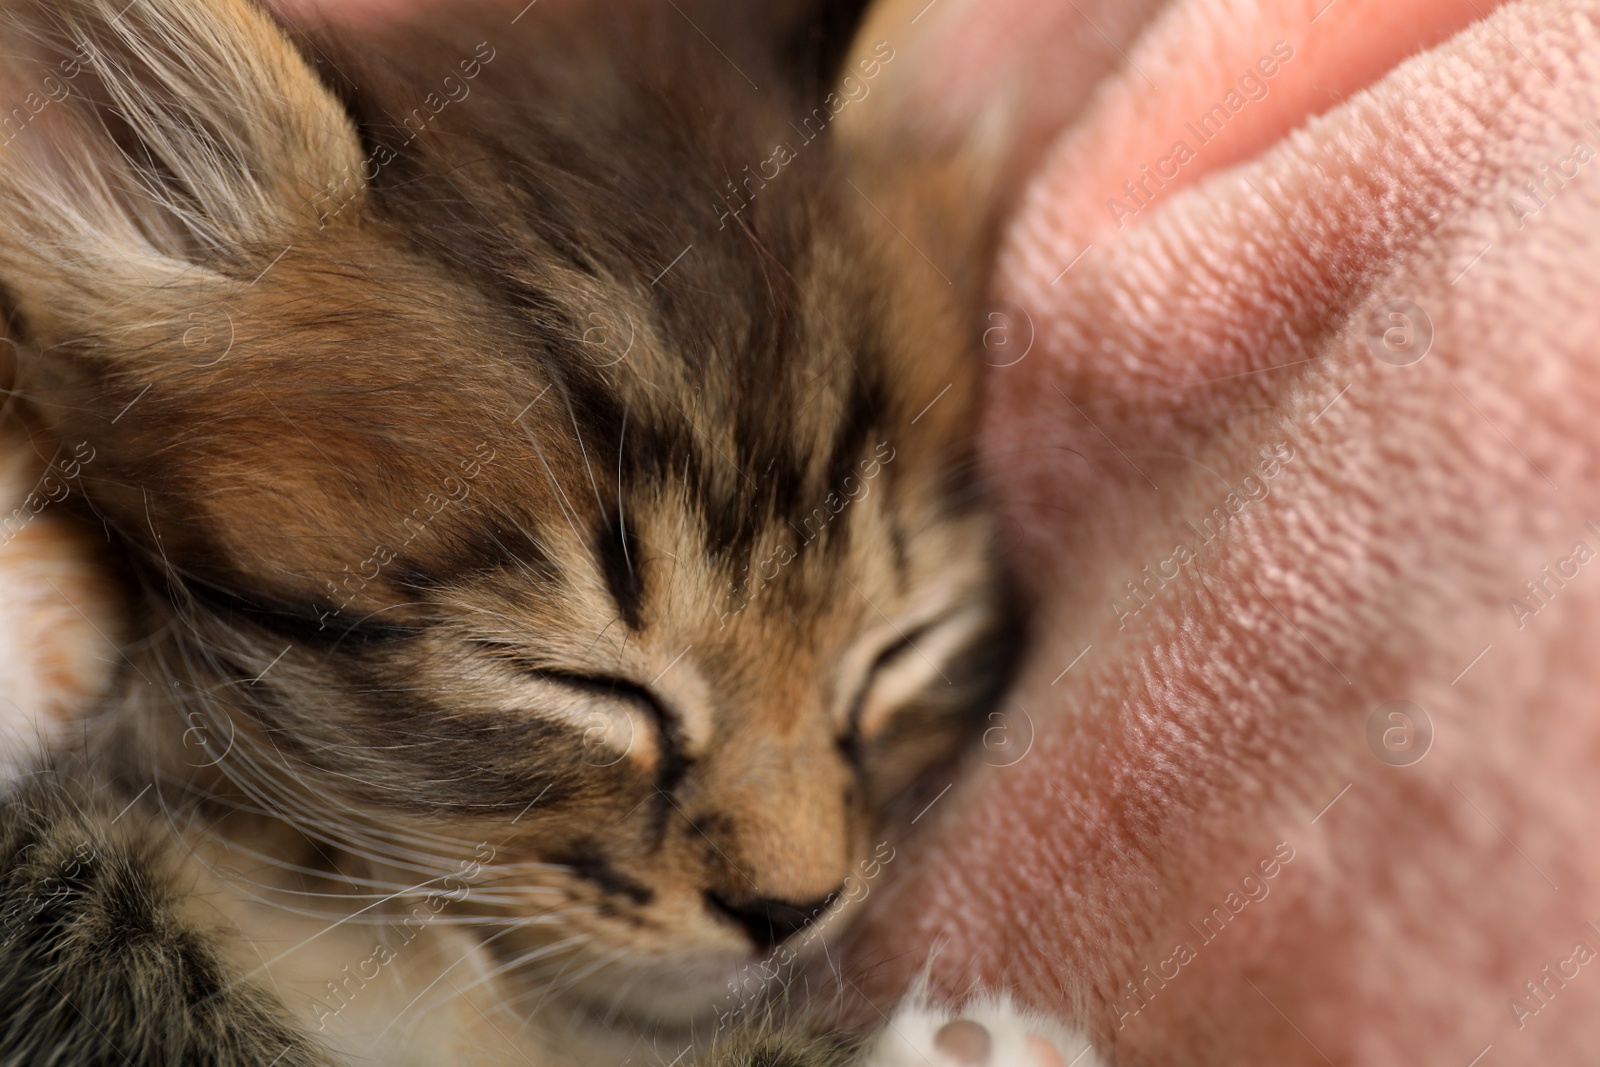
{"x": 553, "y": 553}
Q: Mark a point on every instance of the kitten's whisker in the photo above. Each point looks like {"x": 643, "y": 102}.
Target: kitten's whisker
{"x": 622, "y": 510}
{"x": 584, "y": 452}
{"x": 566, "y": 945}
{"x": 567, "y": 510}
{"x": 342, "y": 920}
{"x": 537, "y": 545}
{"x": 549, "y": 987}
{"x": 477, "y": 947}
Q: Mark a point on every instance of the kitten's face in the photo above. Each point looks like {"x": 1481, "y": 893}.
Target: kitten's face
{"x": 522, "y": 502}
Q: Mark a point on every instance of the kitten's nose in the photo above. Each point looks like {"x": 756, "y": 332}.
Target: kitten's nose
{"x": 769, "y": 921}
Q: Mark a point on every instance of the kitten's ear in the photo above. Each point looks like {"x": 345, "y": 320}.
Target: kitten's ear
{"x": 943, "y": 183}
{"x": 152, "y": 144}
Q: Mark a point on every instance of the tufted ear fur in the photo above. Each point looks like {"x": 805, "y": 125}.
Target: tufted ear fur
{"x": 157, "y": 145}
{"x": 170, "y": 266}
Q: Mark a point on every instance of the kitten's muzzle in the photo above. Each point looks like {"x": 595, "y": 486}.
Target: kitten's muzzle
{"x": 769, "y": 921}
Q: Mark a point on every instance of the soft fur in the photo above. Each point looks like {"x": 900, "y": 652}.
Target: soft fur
{"x": 546, "y": 577}
{"x": 58, "y": 609}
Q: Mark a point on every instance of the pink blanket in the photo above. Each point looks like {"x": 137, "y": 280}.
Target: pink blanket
{"x": 1294, "y": 422}
{"x": 1299, "y": 451}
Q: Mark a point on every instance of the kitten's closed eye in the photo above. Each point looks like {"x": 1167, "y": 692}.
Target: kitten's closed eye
{"x": 575, "y": 681}
{"x": 642, "y": 648}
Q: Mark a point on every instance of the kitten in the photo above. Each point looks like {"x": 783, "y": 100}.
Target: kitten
{"x": 540, "y": 457}
{"x": 57, "y": 609}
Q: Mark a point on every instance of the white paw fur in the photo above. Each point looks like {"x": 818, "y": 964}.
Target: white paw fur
{"x": 922, "y": 1035}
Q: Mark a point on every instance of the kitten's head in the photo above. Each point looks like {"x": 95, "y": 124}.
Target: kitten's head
{"x": 539, "y": 451}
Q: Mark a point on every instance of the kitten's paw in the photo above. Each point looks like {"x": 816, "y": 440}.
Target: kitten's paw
{"x": 57, "y": 607}
{"x": 986, "y": 1032}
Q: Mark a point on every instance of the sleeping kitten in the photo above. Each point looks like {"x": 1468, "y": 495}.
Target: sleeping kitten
{"x": 540, "y": 456}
